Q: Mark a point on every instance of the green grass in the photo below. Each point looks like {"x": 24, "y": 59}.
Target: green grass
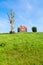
{"x": 21, "y": 49}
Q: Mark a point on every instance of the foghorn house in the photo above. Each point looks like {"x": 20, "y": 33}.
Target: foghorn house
{"x": 22, "y": 28}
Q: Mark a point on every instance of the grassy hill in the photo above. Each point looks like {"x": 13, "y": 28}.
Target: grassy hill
{"x": 21, "y": 49}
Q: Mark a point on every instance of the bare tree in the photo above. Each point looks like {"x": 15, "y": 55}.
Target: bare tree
{"x": 11, "y": 19}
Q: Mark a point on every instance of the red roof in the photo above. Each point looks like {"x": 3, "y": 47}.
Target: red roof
{"x": 22, "y": 26}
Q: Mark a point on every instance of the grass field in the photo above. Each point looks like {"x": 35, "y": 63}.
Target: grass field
{"x": 21, "y": 49}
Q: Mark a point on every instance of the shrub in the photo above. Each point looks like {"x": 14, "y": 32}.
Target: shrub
{"x": 11, "y": 32}
{"x": 34, "y": 29}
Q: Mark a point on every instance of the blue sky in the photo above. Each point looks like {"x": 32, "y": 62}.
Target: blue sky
{"x": 27, "y": 12}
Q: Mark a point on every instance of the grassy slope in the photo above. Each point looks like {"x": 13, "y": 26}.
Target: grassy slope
{"x": 21, "y": 49}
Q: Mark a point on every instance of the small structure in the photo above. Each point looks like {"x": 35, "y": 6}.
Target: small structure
{"x": 22, "y": 28}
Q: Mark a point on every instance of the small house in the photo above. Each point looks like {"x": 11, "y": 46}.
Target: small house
{"x": 22, "y": 28}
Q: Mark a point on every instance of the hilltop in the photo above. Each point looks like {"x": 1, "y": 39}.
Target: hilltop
{"x": 21, "y": 49}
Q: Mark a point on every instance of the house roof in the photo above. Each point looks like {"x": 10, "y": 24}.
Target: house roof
{"x": 22, "y": 26}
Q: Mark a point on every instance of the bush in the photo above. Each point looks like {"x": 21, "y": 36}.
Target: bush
{"x": 11, "y": 32}
{"x": 34, "y": 29}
